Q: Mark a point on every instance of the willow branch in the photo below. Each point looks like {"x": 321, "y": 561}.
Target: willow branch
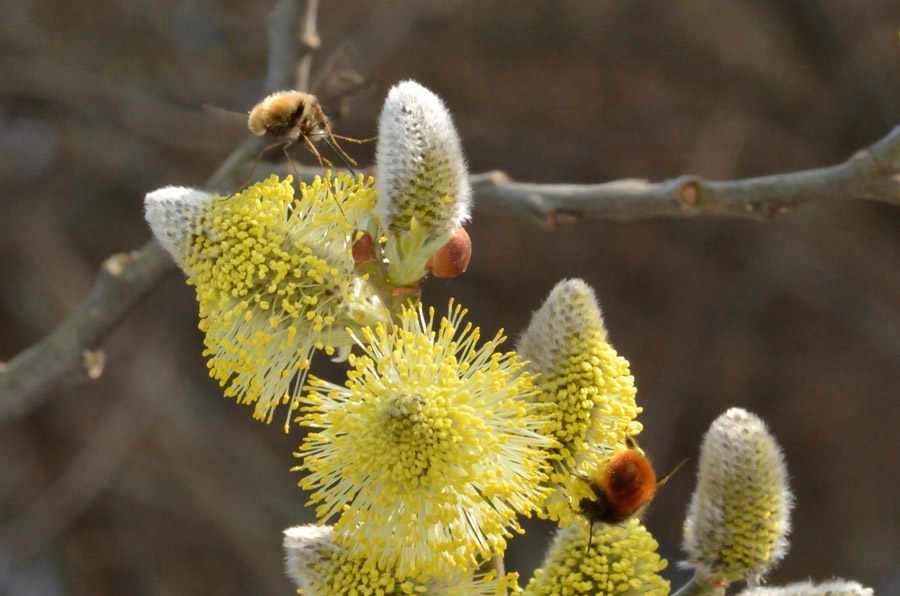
{"x": 871, "y": 175}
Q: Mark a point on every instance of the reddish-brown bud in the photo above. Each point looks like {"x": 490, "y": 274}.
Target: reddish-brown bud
{"x": 363, "y": 249}
{"x": 451, "y": 259}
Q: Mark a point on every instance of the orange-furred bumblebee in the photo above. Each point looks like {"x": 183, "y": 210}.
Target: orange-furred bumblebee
{"x": 622, "y": 486}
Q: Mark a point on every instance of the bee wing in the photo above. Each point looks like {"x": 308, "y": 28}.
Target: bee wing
{"x": 224, "y": 118}
{"x": 337, "y": 82}
{"x": 223, "y": 126}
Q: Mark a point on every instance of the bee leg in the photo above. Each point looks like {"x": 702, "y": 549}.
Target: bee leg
{"x": 258, "y": 159}
{"x": 325, "y": 177}
{"x": 287, "y": 155}
{"x": 590, "y": 538}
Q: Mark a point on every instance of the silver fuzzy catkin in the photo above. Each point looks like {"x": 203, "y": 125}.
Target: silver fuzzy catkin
{"x": 739, "y": 516}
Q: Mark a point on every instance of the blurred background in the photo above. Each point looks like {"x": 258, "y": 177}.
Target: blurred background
{"x": 147, "y": 481}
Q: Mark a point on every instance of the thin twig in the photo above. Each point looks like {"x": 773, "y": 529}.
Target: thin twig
{"x": 285, "y": 52}
{"x": 284, "y": 47}
{"x": 309, "y": 40}
{"x": 872, "y": 174}
{"x": 290, "y": 61}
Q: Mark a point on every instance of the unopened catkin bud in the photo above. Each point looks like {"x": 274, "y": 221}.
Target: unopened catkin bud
{"x": 421, "y": 178}
{"x": 363, "y": 250}
{"x": 837, "y": 587}
{"x": 173, "y": 213}
{"x": 453, "y": 258}
{"x": 739, "y": 516}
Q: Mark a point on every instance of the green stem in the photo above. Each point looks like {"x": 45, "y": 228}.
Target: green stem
{"x": 391, "y": 296}
{"x": 695, "y": 587}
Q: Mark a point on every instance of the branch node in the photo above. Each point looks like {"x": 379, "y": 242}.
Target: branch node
{"x": 763, "y": 211}
{"x": 559, "y": 218}
{"x": 93, "y": 362}
{"x": 116, "y": 264}
{"x": 498, "y": 177}
{"x": 687, "y": 192}
{"x": 311, "y": 41}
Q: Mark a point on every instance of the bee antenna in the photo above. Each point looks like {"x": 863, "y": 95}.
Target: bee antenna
{"x": 262, "y": 152}
{"x": 287, "y": 145}
{"x": 677, "y": 467}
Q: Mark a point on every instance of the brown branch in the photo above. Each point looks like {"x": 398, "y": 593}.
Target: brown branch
{"x": 290, "y": 53}
{"x": 870, "y": 175}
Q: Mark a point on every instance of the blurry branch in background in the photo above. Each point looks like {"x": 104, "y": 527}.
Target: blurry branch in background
{"x": 85, "y": 477}
{"x": 310, "y": 41}
{"x": 284, "y": 44}
{"x": 67, "y": 353}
